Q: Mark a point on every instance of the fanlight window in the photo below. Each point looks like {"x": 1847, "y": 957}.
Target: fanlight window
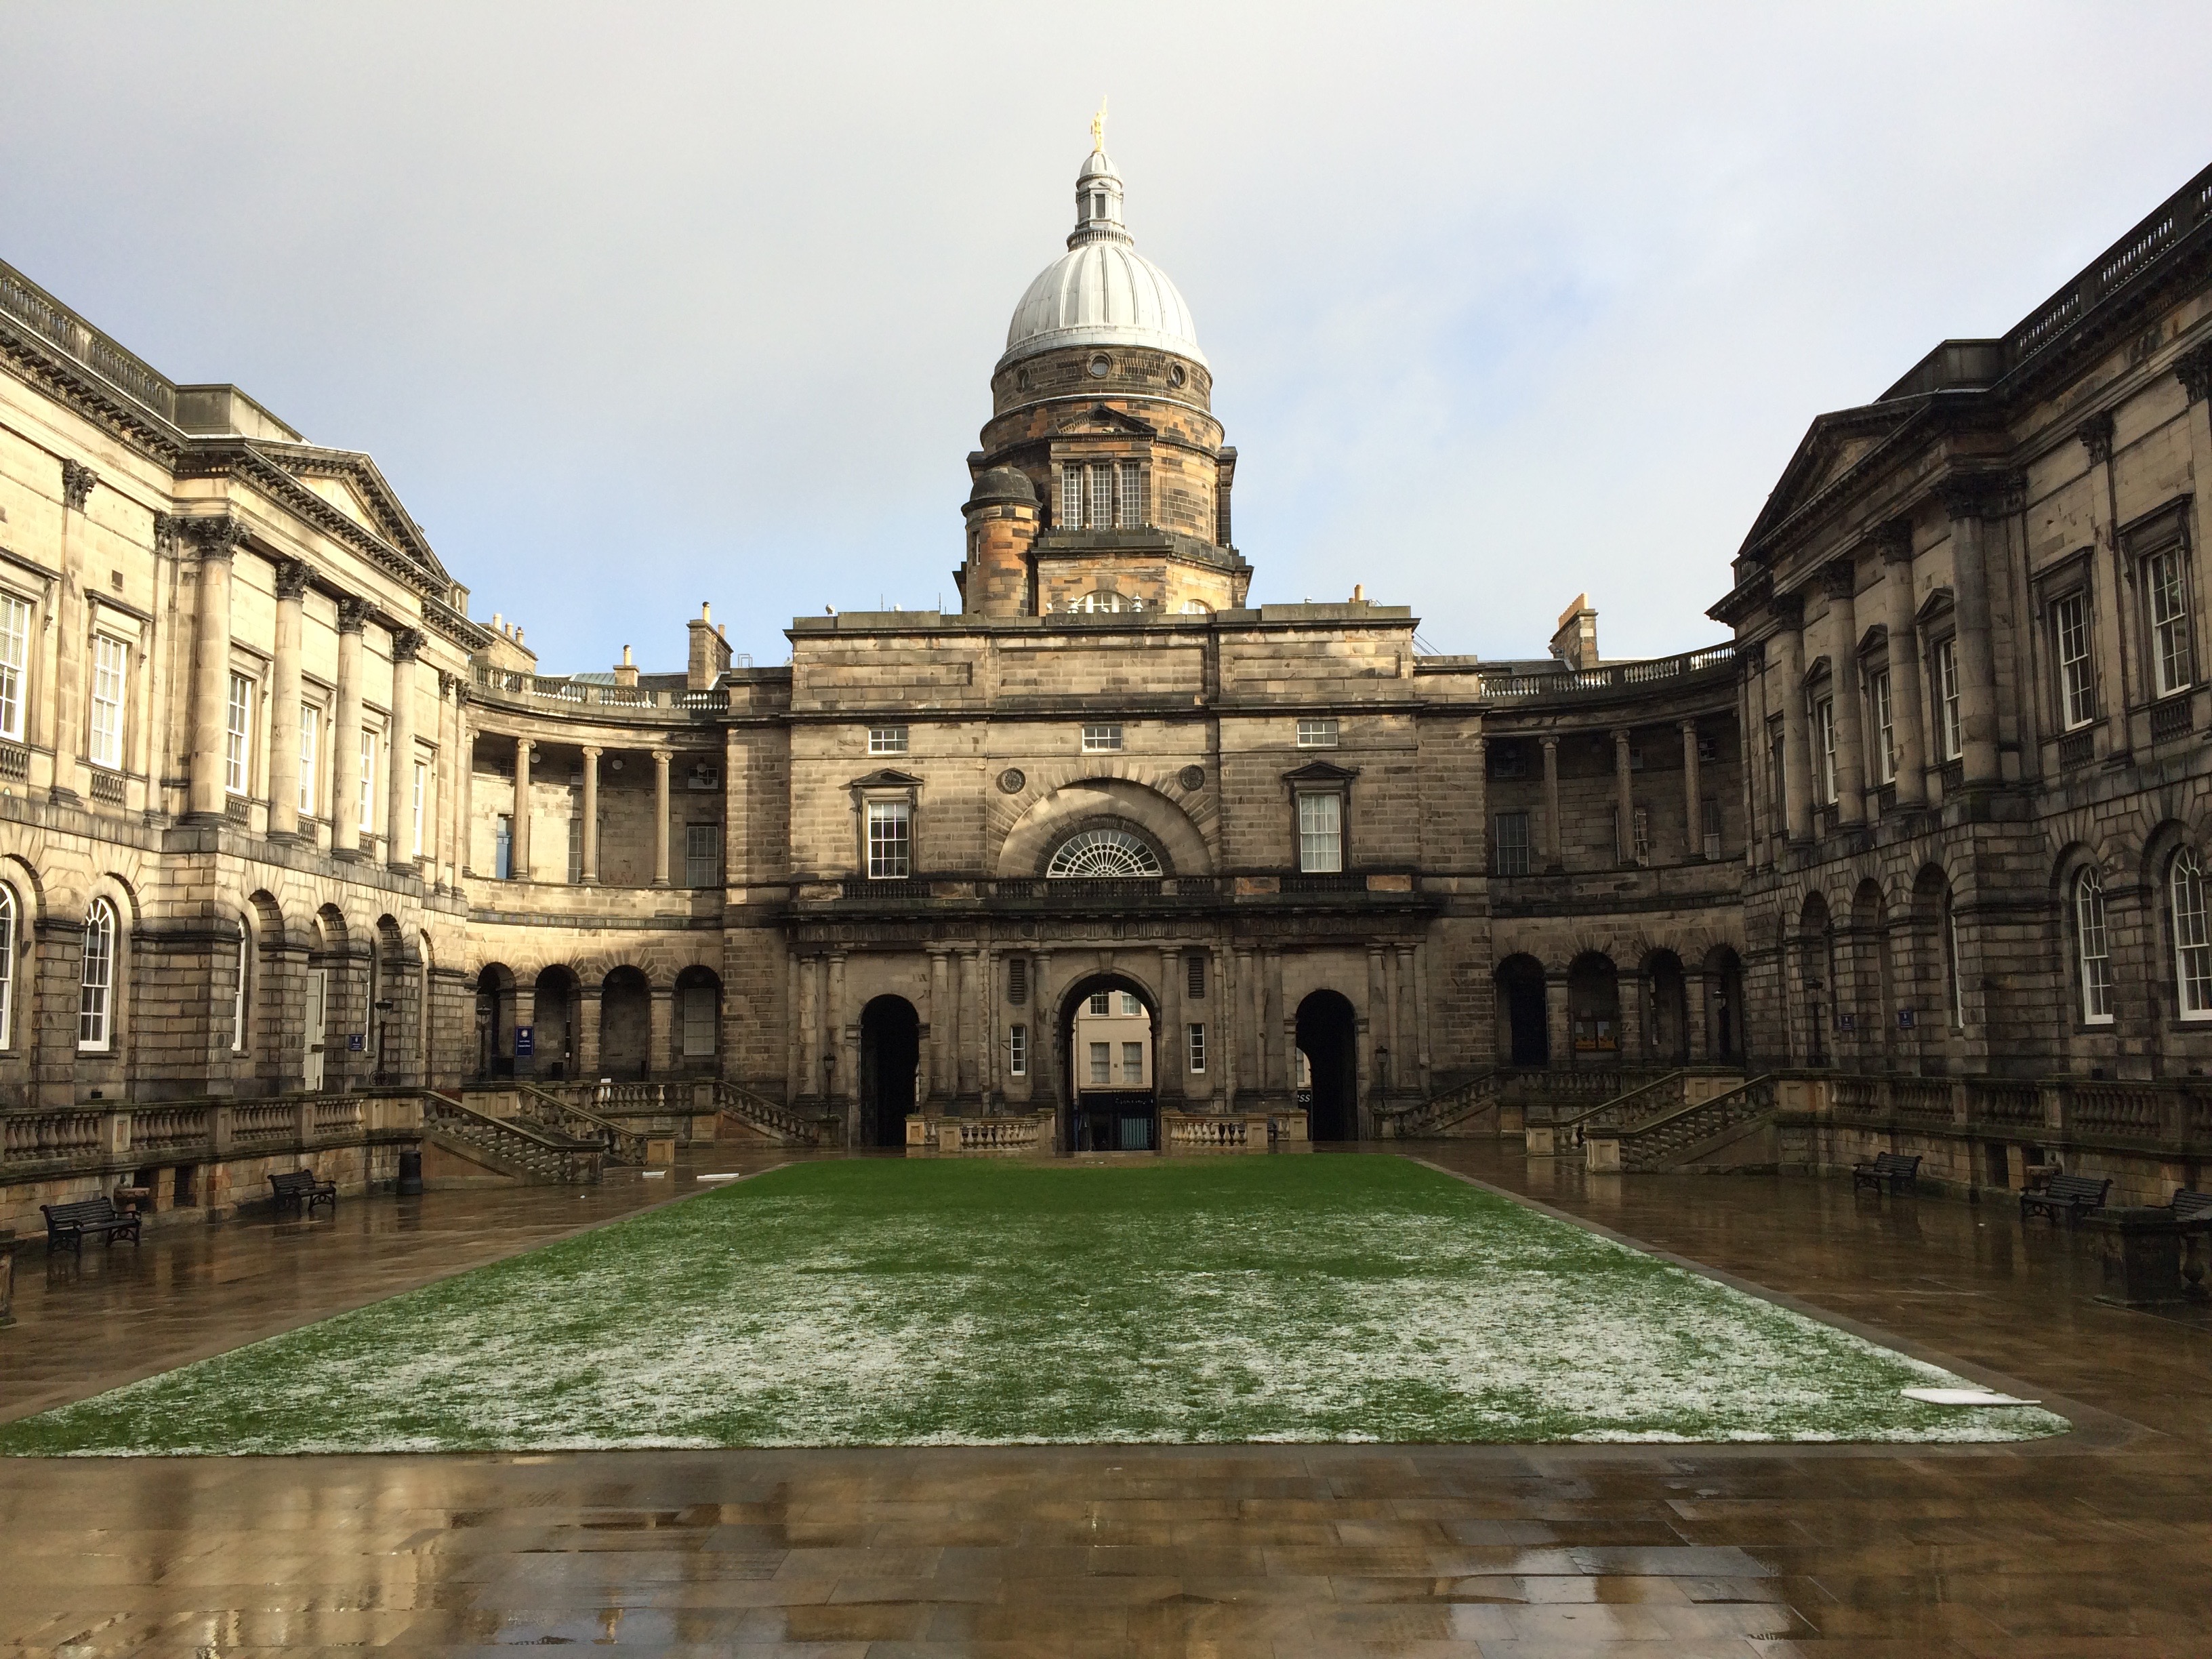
{"x": 1104, "y": 853}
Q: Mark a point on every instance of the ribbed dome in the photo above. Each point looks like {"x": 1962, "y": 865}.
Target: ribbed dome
{"x": 1102, "y": 291}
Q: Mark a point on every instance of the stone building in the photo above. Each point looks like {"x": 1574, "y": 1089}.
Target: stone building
{"x": 280, "y": 824}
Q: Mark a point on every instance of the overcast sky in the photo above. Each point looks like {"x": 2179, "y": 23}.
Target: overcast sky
{"x": 638, "y": 307}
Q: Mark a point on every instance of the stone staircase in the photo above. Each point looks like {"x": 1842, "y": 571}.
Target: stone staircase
{"x": 526, "y": 1151}
{"x": 758, "y": 1115}
{"x": 549, "y": 1112}
{"x": 1729, "y": 1130}
{"x": 1447, "y": 1111}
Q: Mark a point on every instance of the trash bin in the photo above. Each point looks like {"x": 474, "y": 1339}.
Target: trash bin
{"x": 410, "y": 1175}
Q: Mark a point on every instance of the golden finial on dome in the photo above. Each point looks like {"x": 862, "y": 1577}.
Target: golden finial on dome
{"x": 1098, "y": 128}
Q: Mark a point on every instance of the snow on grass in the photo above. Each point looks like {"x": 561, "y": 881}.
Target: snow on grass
{"x": 925, "y": 1302}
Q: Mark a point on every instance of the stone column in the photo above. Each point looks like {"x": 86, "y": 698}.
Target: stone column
{"x": 795, "y": 1032}
{"x": 292, "y": 577}
{"x": 1371, "y": 1022}
{"x": 518, "y": 840}
{"x": 1170, "y": 1084}
{"x": 1271, "y": 1021}
{"x": 218, "y": 540}
{"x": 464, "y": 766}
{"x": 971, "y": 1034}
{"x": 78, "y": 481}
{"x": 1894, "y": 541}
{"x": 660, "y": 1044}
{"x": 2194, "y": 370}
{"x": 1421, "y": 1011}
{"x": 1693, "y": 814}
{"x": 1554, "y": 836}
{"x": 1623, "y": 800}
{"x": 1841, "y": 579}
{"x": 812, "y": 1045}
{"x": 1964, "y": 499}
{"x": 589, "y": 875}
{"x": 660, "y": 759}
{"x": 1797, "y": 748}
{"x": 1405, "y": 1061}
{"x": 940, "y": 1018}
{"x": 588, "y": 1009}
{"x": 1558, "y": 1025}
{"x": 1751, "y": 729}
{"x": 1224, "y": 998}
{"x": 1043, "y": 1036}
{"x": 400, "y": 802}
{"x": 345, "y": 734}
{"x": 1245, "y": 1028}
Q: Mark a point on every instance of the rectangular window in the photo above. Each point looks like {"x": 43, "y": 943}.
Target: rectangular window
{"x": 1508, "y": 760}
{"x": 1130, "y": 498}
{"x": 1824, "y": 747}
{"x": 1321, "y": 833}
{"x": 1018, "y": 1050}
{"x": 1509, "y": 848}
{"x": 1132, "y": 1064}
{"x": 107, "y": 675}
{"x": 698, "y": 1021}
{"x": 1885, "y": 728}
{"x": 367, "y": 781}
{"x": 2069, "y": 649}
{"x": 576, "y": 850}
{"x": 1194, "y": 970}
{"x": 1947, "y": 731}
{"x": 890, "y": 840}
{"x": 14, "y": 663}
{"x": 1130, "y": 1006}
{"x": 2165, "y": 582}
{"x": 1640, "y": 847}
{"x": 502, "y": 848}
{"x": 1102, "y": 1003}
{"x": 421, "y": 791}
{"x": 1197, "y": 1044}
{"x": 1317, "y": 734}
{"x": 1777, "y": 804}
{"x": 237, "y": 733}
{"x": 1071, "y": 497}
{"x": 1710, "y": 816}
{"x": 1954, "y": 970}
{"x": 887, "y": 740}
{"x": 703, "y": 855}
{"x": 1102, "y": 1062}
{"x": 311, "y": 723}
{"x": 1102, "y": 739}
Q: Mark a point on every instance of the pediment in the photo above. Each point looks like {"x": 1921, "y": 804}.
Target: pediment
{"x": 1938, "y": 603}
{"x": 1321, "y": 771}
{"x": 1874, "y": 639}
{"x": 1101, "y": 420}
{"x": 1834, "y": 449}
{"x": 888, "y": 778}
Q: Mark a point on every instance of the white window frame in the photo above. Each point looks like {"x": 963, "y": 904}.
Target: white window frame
{"x": 2092, "y": 948}
{"x": 1102, "y": 1004}
{"x": 1018, "y": 1050}
{"x": 2192, "y": 936}
{"x": 1132, "y": 1065}
{"x": 1101, "y": 1065}
{"x": 96, "y": 1002}
{"x": 1884, "y": 726}
{"x": 368, "y": 781}
{"x": 2072, "y": 651}
{"x": 1101, "y": 737}
{"x": 1131, "y": 1007}
{"x": 311, "y": 738}
{"x": 111, "y": 685}
{"x": 887, "y": 739}
{"x": 238, "y": 735}
{"x": 1194, "y": 1046}
{"x": 422, "y": 794}
{"x": 14, "y": 664}
{"x": 1319, "y": 732}
{"x": 2165, "y": 598}
{"x": 238, "y": 990}
{"x": 1943, "y": 668}
{"x": 1321, "y": 831}
{"x": 1824, "y": 746}
{"x": 890, "y": 856}
{"x": 9, "y": 912}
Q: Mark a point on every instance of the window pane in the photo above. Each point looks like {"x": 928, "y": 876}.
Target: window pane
{"x": 1321, "y": 833}
{"x": 1100, "y": 739}
{"x": 1947, "y": 699}
{"x": 702, "y": 855}
{"x": 2165, "y": 578}
{"x": 890, "y": 844}
{"x": 2192, "y": 942}
{"x": 238, "y": 718}
{"x": 2077, "y": 688}
{"x": 1102, "y": 1062}
{"x": 107, "y": 674}
{"x": 421, "y": 788}
{"x": 310, "y": 728}
{"x": 1885, "y": 732}
{"x": 502, "y": 848}
{"x": 887, "y": 740}
{"x": 1198, "y": 1048}
{"x": 1100, "y": 1002}
{"x": 15, "y": 663}
{"x": 2089, "y": 939}
{"x": 1824, "y": 746}
{"x": 1018, "y": 1050}
{"x": 7, "y": 968}
{"x": 1512, "y": 844}
{"x": 96, "y": 982}
{"x": 1317, "y": 734}
{"x": 367, "y": 781}
{"x": 1132, "y": 1063}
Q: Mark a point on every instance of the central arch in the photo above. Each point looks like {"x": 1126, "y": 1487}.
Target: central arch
{"x": 1328, "y": 1037}
{"x": 890, "y": 1051}
{"x": 1105, "y": 1108}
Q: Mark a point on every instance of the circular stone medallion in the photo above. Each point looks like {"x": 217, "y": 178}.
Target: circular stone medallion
{"x": 1193, "y": 777}
{"x": 1011, "y": 780}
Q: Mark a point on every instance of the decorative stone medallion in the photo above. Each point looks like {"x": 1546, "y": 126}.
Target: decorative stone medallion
{"x": 1193, "y": 777}
{"x": 1011, "y": 780}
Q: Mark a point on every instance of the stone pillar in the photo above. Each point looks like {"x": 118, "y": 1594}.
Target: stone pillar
{"x": 1693, "y": 814}
{"x": 814, "y": 1039}
{"x": 795, "y": 1032}
{"x": 938, "y": 1015}
{"x": 972, "y": 1035}
{"x": 588, "y": 1031}
{"x": 465, "y": 765}
{"x": 2112, "y": 589}
{"x": 2194, "y": 370}
{"x": 1751, "y": 729}
{"x": 1905, "y": 721}
{"x": 1043, "y": 1036}
{"x": 78, "y": 481}
{"x": 1554, "y": 836}
{"x": 1371, "y": 1017}
{"x": 519, "y": 837}
{"x": 1558, "y": 1028}
{"x": 1421, "y": 1011}
{"x": 345, "y": 734}
{"x": 284, "y": 702}
{"x": 1797, "y": 748}
{"x": 445, "y": 864}
{"x": 1172, "y": 1081}
{"x": 1623, "y": 800}
{"x": 1964, "y": 499}
{"x": 1271, "y": 1021}
{"x": 218, "y": 540}
{"x": 399, "y": 798}
{"x": 1224, "y": 998}
{"x": 659, "y": 1053}
{"x": 589, "y": 875}
{"x": 1405, "y": 1060}
{"x": 660, "y": 759}
{"x": 1841, "y": 582}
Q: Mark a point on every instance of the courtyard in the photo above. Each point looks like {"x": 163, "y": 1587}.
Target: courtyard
{"x": 2083, "y": 1542}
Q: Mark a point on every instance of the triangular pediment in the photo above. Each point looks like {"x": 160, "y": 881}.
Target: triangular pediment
{"x": 1834, "y": 449}
{"x": 1100, "y": 421}
{"x": 888, "y": 778}
{"x": 1321, "y": 771}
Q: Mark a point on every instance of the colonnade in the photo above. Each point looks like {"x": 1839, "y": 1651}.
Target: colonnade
{"x": 521, "y": 866}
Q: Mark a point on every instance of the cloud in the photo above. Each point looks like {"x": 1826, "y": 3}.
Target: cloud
{"x": 642, "y": 307}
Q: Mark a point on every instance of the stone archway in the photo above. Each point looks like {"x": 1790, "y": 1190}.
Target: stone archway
{"x": 1109, "y": 1101}
{"x": 1525, "y": 1032}
{"x": 890, "y": 1051}
{"x": 1328, "y": 1037}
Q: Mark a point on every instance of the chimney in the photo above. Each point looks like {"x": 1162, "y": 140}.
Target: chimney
{"x": 1575, "y": 644}
{"x": 710, "y": 653}
{"x": 626, "y": 670}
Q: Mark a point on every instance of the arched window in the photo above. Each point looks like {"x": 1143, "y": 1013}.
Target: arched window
{"x": 1953, "y": 972}
{"x": 7, "y": 967}
{"x": 2090, "y": 948}
{"x": 2192, "y": 938}
{"x": 238, "y": 994}
{"x": 96, "y": 1002}
{"x": 1102, "y": 853}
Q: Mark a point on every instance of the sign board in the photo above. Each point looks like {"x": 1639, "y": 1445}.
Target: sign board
{"x": 525, "y": 1042}
{"x": 1847, "y": 1021}
{"x": 1904, "y": 1019}
{"x": 355, "y": 1042}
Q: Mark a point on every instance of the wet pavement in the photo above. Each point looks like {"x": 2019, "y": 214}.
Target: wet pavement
{"x": 2098, "y": 1542}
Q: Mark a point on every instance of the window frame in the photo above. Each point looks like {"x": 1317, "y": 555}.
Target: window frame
{"x": 2073, "y": 628}
{"x": 15, "y": 675}
{"x": 2192, "y": 934}
{"x": 711, "y": 860}
{"x": 878, "y": 851}
{"x": 1509, "y": 856}
{"x": 1825, "y": 777}
{"x": 1881, "y": 720}
{"x": 1317, "y": 731}
{"x": 1101, "y": 1059}
{"x": 1018, "y": 1049}
{"x": 1103, "y": 737}
{"x": 369, "y": 744}
{"x": 1333, "y": 834}
{"x": 1194, "y": 1046}
{"x": 889, "y": 740}
{"x": 238, "y": 735}
{"x": 422, "y": 798}
{"x": 1944, "y": 683}
{"x": 96, "y": 1007}
{"x": 239, "y": 992}
{"x": 111, "y": 658}
{"x": 11, "y": 911}
{"x": 311, "y": 743}
{"x": 2182, "y": 625}
{"x": 2093, "y": 956}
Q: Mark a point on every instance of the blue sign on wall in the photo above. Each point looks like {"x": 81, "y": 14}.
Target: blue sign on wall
{"x": 525, "y": 1042}
{"x": 355, "y": 1042}
{"x": 1904, "y": 1019}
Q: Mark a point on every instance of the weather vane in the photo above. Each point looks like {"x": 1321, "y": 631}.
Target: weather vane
{"x": 1099, "y": 127}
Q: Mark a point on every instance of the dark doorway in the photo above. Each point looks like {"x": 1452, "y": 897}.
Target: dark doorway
{"x": 625, "y": 1026}
{"x": 554, "y": 1007}
{"x": 1328, "y": 1037}
{"x": 1110, "y": 1050}
{"x": 495, "y": 1022}
{"x": 1520, "y": 1007}
{"x": 1666, "y": 1024}
{"x": 1724, "y": 1018}
{"x": 891, "y": 1048}
{"x": 1594, "y": 1009}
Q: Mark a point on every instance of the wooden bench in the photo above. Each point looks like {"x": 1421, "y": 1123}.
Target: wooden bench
{"x": 71, "y": 1222}
{"x": 298, "y": 1189}
{"x": 1898, "y": 1172}
{"x": 2189, "y": 1206}
{"x": 2067, "y": 1195}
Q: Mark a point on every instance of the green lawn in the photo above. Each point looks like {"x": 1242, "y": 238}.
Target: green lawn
{"x": 923, "y": 1303}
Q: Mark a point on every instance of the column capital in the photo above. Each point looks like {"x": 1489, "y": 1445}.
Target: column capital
{"x": 1788, "y": 610}
{"x": 1891, "y": 541}
{"x": 217, "y": 538}
{"x": 1550, "y": 742}
{"x": 662, "y": 757}
{"x": 449, "y": 685}
{"x": 77, "y": 482}
{"x": 2095, "y": 433}
{"x": 1985, "y": 494}
{"x": 1839, "y": 577}
{"x": 592, "y": 751}
{"x": 293, "y": 576}
{"x": 2194, "y": 370}
{"x": 1688, "y": 728}
{"x": 406, "y": 644}
{"x": 168, "y": 526}
{"x": 1621, "y": 736}
{"x": 353, "y": 615}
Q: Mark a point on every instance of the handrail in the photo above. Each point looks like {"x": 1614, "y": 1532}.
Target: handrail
{"x": 1639, "y": 1144}
{"x": 514, "y": 686}
{"x": 623, "y": 1145}
{"x": 559, "y": 1156}
{"x": 762, "y": 1113}
{"x": 1616, "y": 1104}
{"x": 1609, "y": 677}
{"x": 1437, "y": 1110}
